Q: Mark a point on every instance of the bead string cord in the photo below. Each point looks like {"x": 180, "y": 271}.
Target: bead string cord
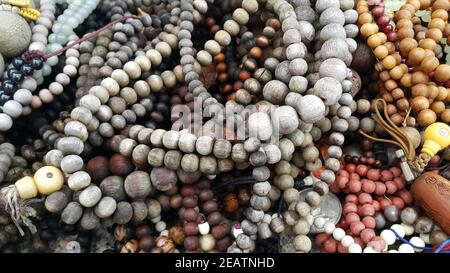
{"x": 236, "y": 182}
{"x": 400, "y": 139}
{"x": 444, "y": 247}
{"x": 31, "y": 54}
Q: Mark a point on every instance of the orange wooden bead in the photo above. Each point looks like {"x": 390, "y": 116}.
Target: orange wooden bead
{"x": 374, "y": 40}
{"x": 442, "y": 96}
{"x": 435, "y": 34}
{"x": 368, "y": 29}
{"x": 420, "y": 103}
{"x": 389, "y": 62}
{"x": 416, "y": 55}
{"x": 402, "y": 104}
{"x": 403, "y": 14}
{"x": 406, "y": 80}
{"x": 397, "y": 119}
{"x": 438, "y": 107}
{"x": 445, "y": 116}
{"x": 428, "y": 44}
{"x": 441, "y": 4}
{"x": 391, "y": 109}
{"x": 405, "y": 33}
{"x": 440, "y": 14}
{"x": 231, "y": 203}
{"x": 387, "y": 97}
{"x": 419, "y": 90}
{"x": 396, "y": 73}
{"x": 437, "y": 23}
{"x": 381, "y": 52}
{"x": 404, "y": 23}
{"x": 429, "y": 64}
{"x": 414, "y": 3}
{"x": 424, "y": 4}
{"x": 420, "y": 35}
{"x": 433, "y": 91}
{"x": 406, "y": 45}
{"x": 426, "y": 117}
{"x": 419, "y": 77}
{"x": 255, "y": 52}
{"x": 390, "y": 85}
{"x": 442, "y": 73}
{"x": 384, "y": 76}
{"x": 219, "y": 57}
{"x": 391, "y": 47}
{"x": 365, "y": 18}
{"x": 397, "y": 93}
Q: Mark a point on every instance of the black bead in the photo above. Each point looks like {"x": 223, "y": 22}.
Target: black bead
{"x": 11, "y": 72}
{"x": 36, "y": 63}
{"x": 17, "y": 77}
{"x": 47, "y": 235}
{"x": 69, "y": 229}
{"x": 4, "y": 98}
{"x": 382, "y": 157}
{"x": 348, "y": 158}
{"x": 17, "y": 62}
{"x": 53, "y": 222}
{"x": 26, "y": 69}
{"x": 8, "y": 87}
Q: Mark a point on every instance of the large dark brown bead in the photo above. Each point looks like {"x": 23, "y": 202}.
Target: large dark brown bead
{"x": 190, "y": 228}
{"x": 191, "y": 243}
{"x": 120, "y": 165}
{"x": 98, "y": 168}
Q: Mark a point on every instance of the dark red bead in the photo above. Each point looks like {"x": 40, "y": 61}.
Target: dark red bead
{"x": 383, "y": 20}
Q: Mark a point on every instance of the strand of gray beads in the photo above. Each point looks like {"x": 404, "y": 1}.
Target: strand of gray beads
{"x": 72, "y": 164}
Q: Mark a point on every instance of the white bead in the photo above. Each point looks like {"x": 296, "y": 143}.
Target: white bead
{"x": 399, "y": 229}
{"x": 405, "y": 248}
{"x": 160, "y": 226}
{"x": 5, "y": 122}
{"x": 164, "y": 233}
{"x": 203, "y": 228}
{"x": 354, "y": 248}
{"x": 393, "y": 251}
{"x": 417, "y": 241}
{"x": 329, "y": 227}
{"x": 425, "y": 237}
{"x": 388, "y": 236}
{"x": 369, "y": 249}
{"x": 409, "y": 230}
{"x": 347, "y": 241}
{"x": 319, "y": 222}
{"x": 338, "y": 234}
{"x": 310, "y": 219}
{"x": 236, "y": 231}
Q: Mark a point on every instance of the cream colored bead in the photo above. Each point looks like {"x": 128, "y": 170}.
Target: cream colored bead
{"x": 232, "y": 27}
{"x": 26, "y": 187}
{"x": 241, "y": 16}
{"x": 48, "y": 179}
{"x": 212, "y": 47}
{"x": 204, "y": 58}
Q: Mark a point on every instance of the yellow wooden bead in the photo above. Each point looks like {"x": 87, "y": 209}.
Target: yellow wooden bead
{"x": 26, "y": 187}
{"x": 48, "y": 179}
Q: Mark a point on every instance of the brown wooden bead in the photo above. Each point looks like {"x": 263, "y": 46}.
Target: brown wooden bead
{"x": 177, "y": 235}
{"x": 231, "y": 203}
{"x": 98, "y": 168}
{"x": 426, "y": 117}
{"x": 120, "y": 165}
